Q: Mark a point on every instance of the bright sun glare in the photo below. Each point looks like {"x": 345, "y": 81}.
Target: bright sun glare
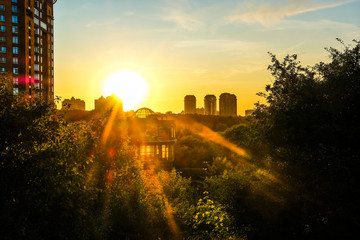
{"x": 128, "y": 85}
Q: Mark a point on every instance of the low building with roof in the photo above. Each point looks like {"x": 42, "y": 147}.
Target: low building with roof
{"x": 155, "y": 138}
{"x": 73, "y": 104}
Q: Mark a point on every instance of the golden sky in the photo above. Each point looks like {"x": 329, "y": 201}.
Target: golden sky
{"x": 186, "y": 47}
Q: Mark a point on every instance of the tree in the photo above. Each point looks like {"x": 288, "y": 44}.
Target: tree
{"x": 311, "y": 123}
{"x": 43, "y": 171}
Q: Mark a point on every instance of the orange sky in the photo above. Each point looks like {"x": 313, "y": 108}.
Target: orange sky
{"x": 190, "y": 46}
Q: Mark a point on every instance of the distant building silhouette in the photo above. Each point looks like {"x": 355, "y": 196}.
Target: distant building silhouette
{"x": 249, "y": 112}
{"x": 200, "y": 111}
{"x": 105, "y": 104}
{"x": 190, "y": 104}
{"x": 210, "y": 104}
{"x": 228, "y": 104}
{"x": 73, "y": 104}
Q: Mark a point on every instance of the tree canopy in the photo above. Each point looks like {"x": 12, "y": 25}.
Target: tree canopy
{"x": 299, "y": 180}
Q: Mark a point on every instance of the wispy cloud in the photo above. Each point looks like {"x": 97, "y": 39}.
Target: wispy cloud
{"x": 129, "y": 13}
{"x": 268, "y": 14}
{"x": 183, "y": 20}
{"x": 244, "y": 67}
{"x": 310, "y": 25}
{"x": 98, "y": 24}
{"x": 179, "y": 12}
{"x": 220, "y": 45}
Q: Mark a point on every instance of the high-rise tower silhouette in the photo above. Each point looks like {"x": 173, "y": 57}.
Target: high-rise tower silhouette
{"x": 190, "y": 104}
{"x": 228, "y": 104}
{"x": 210, "y": 104}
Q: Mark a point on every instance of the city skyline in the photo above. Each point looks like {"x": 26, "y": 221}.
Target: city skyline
{"x": 210, "y": 106}
{"x": 191, "y": 47}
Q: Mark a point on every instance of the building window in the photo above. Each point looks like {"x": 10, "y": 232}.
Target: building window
{"x": 2, "y": 7}
{"x": 2, "y": 59}
{"x": 2, "y": 39}
{"x": 3, "y": 70}
{"x": 15, "y": 40}
{"x": 16, "y": 71}
{"x": 15, "y": 60}
{"x": 14, "y": 1}
{"x": 3, "y": 49}
{"x": 14, "y": 9}
{"x": 15, "y": 50}
{"x": 43, "y": 25}
{"x": 15, "y": 29}
{"x": 14, "y": 19}
{"x": 2, "y": 18}
{"x": 165, "y": 152}
{"x": 15, "y": 91}
{"x": 2, "y": 28}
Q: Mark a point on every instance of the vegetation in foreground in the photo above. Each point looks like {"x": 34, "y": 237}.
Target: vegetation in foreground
{"x": 298, "y": 180}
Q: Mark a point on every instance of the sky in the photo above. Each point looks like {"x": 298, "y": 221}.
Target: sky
{"x": 192, "y": 47}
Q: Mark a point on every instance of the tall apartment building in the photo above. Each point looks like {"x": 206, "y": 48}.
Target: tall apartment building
{"x": 27, "y": 46}
{"x": 210, "y": 104}
{"x": 190, "y": 104}
{"x": 228, "y": 105}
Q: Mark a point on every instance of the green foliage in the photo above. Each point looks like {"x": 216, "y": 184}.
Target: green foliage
{"x": 42, "y": 172}
{"x": 62, "y": 180}
{"x": 310, "y": 117}
{"x": 252, "y": 199}
{"x": 310, "y": 124}
{"x": 307, "y": 131}
{"x": 216, "y": 123}
{"x": 312, "y": 109}
{"x": 182, "y": 196}
{"x": 232, "y": 190}
{"x": 250, "y": 137}
{"x": 211, "y": 221}
{"x": 5, "y": 87}
{"x": 193, "y": 152}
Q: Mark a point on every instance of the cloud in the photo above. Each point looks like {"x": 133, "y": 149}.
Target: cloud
{"x": 98, "y": 24}
{"x": 179, "y": 12}
{"x": 269, "y": 14}
{"x": 183, "y": 20}
{"x": 220, "y": 45}
{"x": 245, "y": 67}
{"x": 129, "y": 13}
{"x": 310, "y": 25}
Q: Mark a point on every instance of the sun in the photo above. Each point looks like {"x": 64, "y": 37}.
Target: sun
{"x": 128, "y": 85}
